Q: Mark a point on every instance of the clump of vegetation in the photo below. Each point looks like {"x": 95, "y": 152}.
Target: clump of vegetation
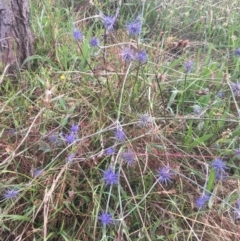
{"x": 126, "y": 127}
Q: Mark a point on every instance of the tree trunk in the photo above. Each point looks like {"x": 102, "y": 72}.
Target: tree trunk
{"x": 16, "y": 40}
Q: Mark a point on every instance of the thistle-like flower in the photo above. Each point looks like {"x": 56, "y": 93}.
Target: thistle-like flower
{"x": 128, "y": 55}
{"x": 11, "y": 193}
{"x": 74, "y": 128}
{"x": 237, "y": 52}
{"x": 142, "y": 57}
{"x": 201, "y": 201}
{"x": 105, "y": 218}
{"x": 108, "y": 22}
{"x": 145, "y": 120}
{"x": 188, "y": 66}
{"x": 119, "y": 134}
{"x": 110, "y": 177}
{"x": 165, "y": 175}
{"x": 220, "y": 168}
{"x": 128, "y": 157}
{"x": 110, "y": 151}
{"x": 70, "y": 138}
{"x": 94, "y": 42}
{"x": 134, "y": 28}
{"x": 77, "y": 34}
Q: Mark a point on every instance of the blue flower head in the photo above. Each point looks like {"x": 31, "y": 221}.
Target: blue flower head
{"x": 37, "y": 172}
{"x": 110, "y": 177}
{"x": 70, "y": 158}
{"x": 74, "y": 128}
{"x": 201, "y": 201}
{"x": 94, "y": 42}
{"x": 105, "y": 218}
{"x": 236, "y": 88}
{"x": 237, "y": 52}
{"x": 11, "y": 194}
{"x": 53, "y": 137}
{"x": 145, "y": 120}
{"x": 70, "y": 138}
{"x": 220, "y": 168}
{"x": 128, "y": 55}
{"x": 142, "y": 57}
{"x": 165, "y": 175}
{"x": 128, "y": 157}
{"x": 197, "y": 109}
{"x": 77, "y": 34}
{"x": 110, "y": 151}
{"x": 188, "y": 66}
{"x": 119, "y": 134}
{"x": 108, "y": 22}
{"x": 134, "y": 28}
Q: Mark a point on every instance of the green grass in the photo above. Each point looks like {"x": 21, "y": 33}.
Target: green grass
{"x": 70, "y": 83}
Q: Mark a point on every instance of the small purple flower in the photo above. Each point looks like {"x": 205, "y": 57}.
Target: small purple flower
{"x": 37, "y": 172}
{"x": 165, "y": 175}
{"x": 128, "y": 55}
{"x": 134, "y": 28}
{"x": 53, "y": 137}
{"x": 70, "y": 158}
{"x": 70, "y": 138}
{"x": 119, "y": 134}
{"x": 237, "y": 152}
{"x": 142, "y": 57}
{"x": 110, "y": 177}
{"x": 94, "y": 42}
{"x": 74, "y": 128}
{"x": 128, "y": 157}
{"x": 188, "y": 66}
{"x": 105, "y": 218}
{"x": 237, "y": 52}
{"x": 145, "y": 120}
{"x": 11, "y": 194}
{"x": 12, "y": 132}
{"x": 220, "y": 167}
{"x": 220, "y": 94}
{"x": 108, "y": 22}
{"x": 236, "y": 88}
{"x": 77, "y": 34}
{"x": 110, "y": 151}
{"x": 201, "y": 201}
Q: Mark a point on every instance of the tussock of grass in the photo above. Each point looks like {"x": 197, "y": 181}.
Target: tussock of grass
{"x": 148, "y": 133}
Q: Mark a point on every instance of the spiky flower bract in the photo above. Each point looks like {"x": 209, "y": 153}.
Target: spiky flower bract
{"x": 105, "y": 218}
{"x": 70, "y": 138}
{"x": 142, "y": 57}
{"x": 37, "y": 172}
{"x": 134, "y": 28}
{"x": 237, "y": 52}
{"x": 110, "y": 177}
{"x": 11, "y": 193}
{"x": 145, "y": 120}
{"x": 201, "y": 201}
{"x": 128, "y": 157}
{"x": 236, "y": 88}
{"x": 94, "y": 42}
{"x": 128, "y": 55}
{"x": 108, "y": 22}
{"x": 77, "y": 34}
{"x": 119, "y": 134}
{"x": 53, "y": 137}
{"x": 188, "y": 66}
{"x": 110, "y": 151}
{"x": 220, "y": 168}
{"x": 74, "y": 128}
{"x": 165, "y": 175}
{"x": 70, "y": 158}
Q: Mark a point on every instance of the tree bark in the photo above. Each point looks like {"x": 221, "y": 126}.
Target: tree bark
{"x": 16, "y": 40}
